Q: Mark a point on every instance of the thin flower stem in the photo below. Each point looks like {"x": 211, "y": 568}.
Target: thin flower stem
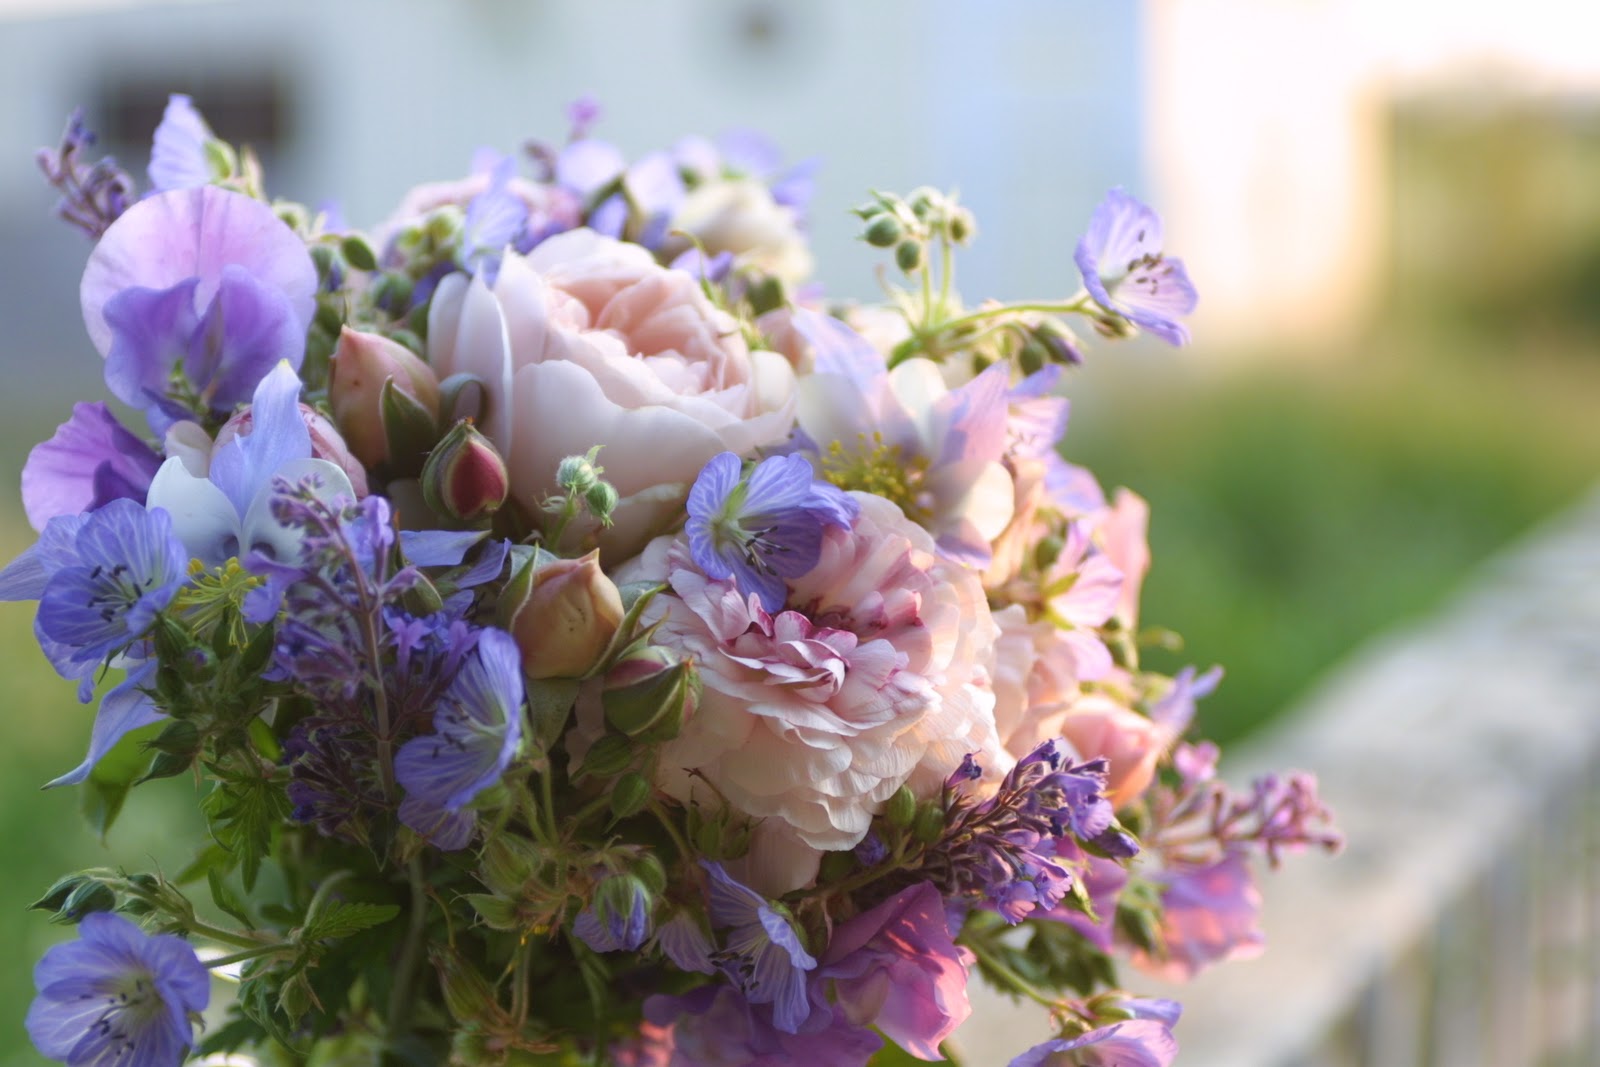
{"x": 672, "y": 831}
{"x": 217, "y": 933}
{"x": 1014, "y": 981}
{"x": 410, "y": 952}
{"x": 250, "y": 954}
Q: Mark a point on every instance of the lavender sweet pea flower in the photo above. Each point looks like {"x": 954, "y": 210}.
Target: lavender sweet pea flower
{"x": 477, "y": 729}
{"x": 89, "y": 462}
{"x": 1138, "y": 1043}
{"x": 895, "y": 967}
{"x": 762, "y": 954}
{"x": 205, "y": 278}
{"x": 497, "y": 219}
{"x": 178, "y": 154}
{"x": 714, "y": 1026}
{"x": 1209, "y": 915}
{"x": 228, "y": 512}
{"x": 117, "y": 996}
{"x": 764, "y": 528}
{"x": 1124, "y": 270}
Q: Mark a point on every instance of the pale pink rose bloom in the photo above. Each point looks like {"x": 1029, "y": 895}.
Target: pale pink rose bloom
{"x": 1021, "y": 535}
{"x": 588, "y": 341}
{"x": 739, "y": 215}
{"x": 875, "y": 677}
{"x": 1035, "y": 681}
{"x": 1096, "y": 726}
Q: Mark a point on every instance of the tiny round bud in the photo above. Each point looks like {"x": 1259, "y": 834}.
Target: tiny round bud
{"x": 601, "y": 498}
{"x": 901, "y": 808}
{"x": 629, "y": 794}
{"x": 908, "y": 256}
{"x": 884, "y": 231}
{"x": 962, "y": 226}
{"x": 576, "y": 474}
{"x": 929, "y": 826}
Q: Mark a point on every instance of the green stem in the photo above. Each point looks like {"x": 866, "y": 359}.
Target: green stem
{"x": 548, "y": 802}
{"x": 672, "y": 831}
{"x": 949, "y": 1053}
{"x": 1078, "y": 304}
{"x": 1014, "y": 981}
{"x": 250, "y": 954}
{"x": 947, "y": 270}
{"x": 410, "y": 953}
{"x": 217, "y": 933}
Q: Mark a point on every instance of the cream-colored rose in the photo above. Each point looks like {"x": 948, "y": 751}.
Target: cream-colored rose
{"x": 740, "y": 216}
{"x": 588, "y": 341}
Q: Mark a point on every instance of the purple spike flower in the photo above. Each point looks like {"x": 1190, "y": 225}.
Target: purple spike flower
{"x": 761, "y": 953}
{"x": 117, "y": 996}
{"x": 93, "y": 195}
{"x": 1124, "y": 270}
{"x": 1002, "y": 850}
{"x": 765, "y": 528}
{"x": 477, "y": 728}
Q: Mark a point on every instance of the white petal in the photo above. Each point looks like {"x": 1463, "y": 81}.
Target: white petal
{"x": 261, "y": 530}
{"x": 203, "y": 517}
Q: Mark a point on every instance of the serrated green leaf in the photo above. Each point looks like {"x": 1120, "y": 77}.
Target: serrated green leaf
{"x": 223, "y": 897}
{"x": 243, "y": 812}
{"x": 346, "y": 918}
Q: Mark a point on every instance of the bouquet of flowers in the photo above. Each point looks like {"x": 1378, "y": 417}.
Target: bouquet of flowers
{"x": 588, "y": 645}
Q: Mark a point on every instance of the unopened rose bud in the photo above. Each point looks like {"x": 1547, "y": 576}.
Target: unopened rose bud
{"x": 362, "y": 363}
{"x": 651, "y": 692}
{"x": 465, "y": 478}
{"x": 563, "y": 613}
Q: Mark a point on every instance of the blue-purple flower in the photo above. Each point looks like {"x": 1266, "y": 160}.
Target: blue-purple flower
{"x": 477, "y": 728}
{"x": 714, "y": 1026}
{"x": 619, "y": 918}
{"x": 178, "y": 150}
{"x": 1125, "y": 271}
{"x": 117, "y": 996}
{"x": 93, "y": 195}
{"x": 761, "y": 952}
{"x": 1136, "y": 1043}
{"x": 765, "y": 528}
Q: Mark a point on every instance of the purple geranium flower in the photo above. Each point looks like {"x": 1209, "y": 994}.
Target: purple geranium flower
{"x": 90, "y": 461}
{"x": 1138, "y": 1043}
{"x": 1124, "y": 270}
{"x": 117, "y": 996}
{"x": 477, "y": 728}
{"x": 761, "y": 953}
{"x": 619, "y": 918}
{"x": 202, "y": 279}
{"x": 765, "y": 528}
{"x": 896, "y": 967}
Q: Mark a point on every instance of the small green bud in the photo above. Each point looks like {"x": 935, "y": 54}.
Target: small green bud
{"x": 629, "y": 794}
{"x": 508, "y": 862}
{"x": 901, "y": 809}
{"x": 929, "y": 826}
{"x": 708, "y": 839}
{"x": 908, "y": 256}
{"x": 962, "y": 226}
{"x": 468, "y": 996}
{"x": 836, "y": 865}
{"x": 884, "y": 231}
{"x": 443, "y": 226}
{"x": 89, "y": 895}
{"x": 576, "y": 474}
{"x": 223, "y": 162}
{"x": 925, "y": 202}
{"x": 601, "y": 499}
{"x": 57, "y": 894}
{"x": 324, "y": 259}
{"x": 358, "y": 253}
{"x": 608, "y": 757}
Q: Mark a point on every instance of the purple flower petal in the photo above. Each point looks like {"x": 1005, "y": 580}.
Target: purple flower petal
{"x": 244, "y": 466}
{"x": 248, "y": 329}
{"x": 194, "y": 233}
{"x": 91, "y": 460}
{"x": 584, "y": 166}
{"x": 178, "y": 154}
{"x": 1124, "y": 270}
{"x": 122, "y": 711}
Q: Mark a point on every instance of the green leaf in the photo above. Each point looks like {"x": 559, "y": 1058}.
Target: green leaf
{"x": 549, "y": 702}
{"x": 243, "y": 811}
{"x": 223, "y": 897}
{"x": 102, "y": 794}
{"x": 346, "y": 918}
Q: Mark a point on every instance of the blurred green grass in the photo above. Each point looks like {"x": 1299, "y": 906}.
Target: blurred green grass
{"x": 1299, "y": 506}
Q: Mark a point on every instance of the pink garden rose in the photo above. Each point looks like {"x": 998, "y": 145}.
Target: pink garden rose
{"x": 588, "y": 341}
{"x": 874, "y": 675}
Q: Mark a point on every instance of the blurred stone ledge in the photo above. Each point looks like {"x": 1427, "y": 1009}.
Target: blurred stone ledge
{"x": 1461, "y": 925}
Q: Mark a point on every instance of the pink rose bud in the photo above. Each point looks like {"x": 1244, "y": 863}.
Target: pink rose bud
{"x": 563, "y": 614}
{"x": 326, "y": 443}
{"x": 650, "y": 691}
{"x": 362, "y": 363}
{"x": 1098, "y": 726}
{"x": 465, "y": 478}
